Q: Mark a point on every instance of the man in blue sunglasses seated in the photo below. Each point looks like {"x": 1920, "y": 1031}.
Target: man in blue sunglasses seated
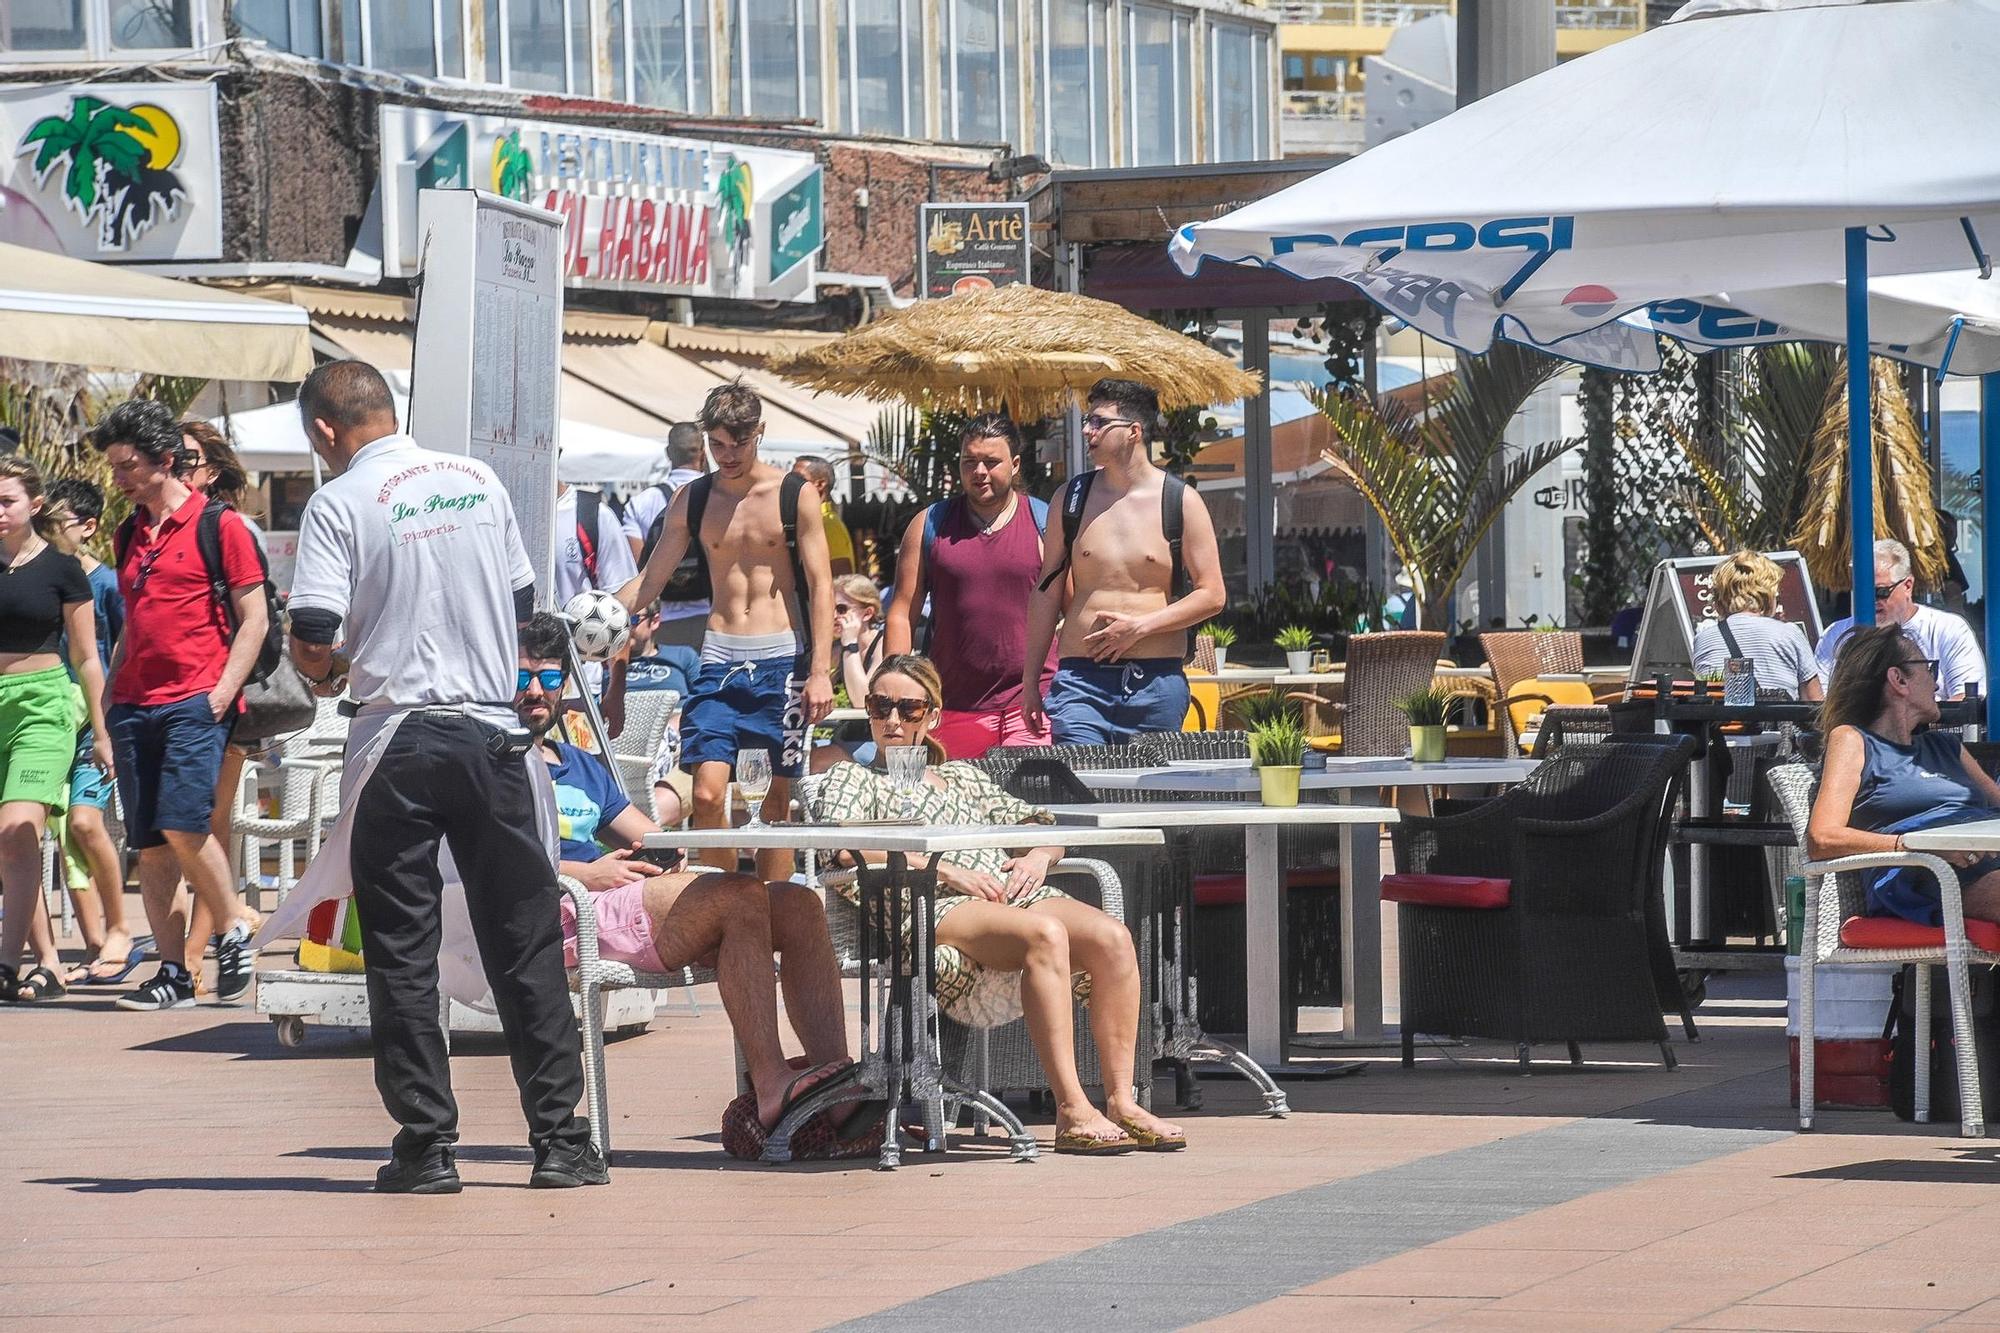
{"x": 658, "y": 920}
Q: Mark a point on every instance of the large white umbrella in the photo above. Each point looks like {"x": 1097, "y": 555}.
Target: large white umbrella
{"x": 271, "y": 439}
{"x": 1738, "y": 152}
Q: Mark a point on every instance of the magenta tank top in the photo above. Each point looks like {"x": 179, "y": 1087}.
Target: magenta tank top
{"x": 980, "y": 586}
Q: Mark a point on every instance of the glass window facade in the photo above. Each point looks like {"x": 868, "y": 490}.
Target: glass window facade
{"x": 287, "y": 25}
{"x": 769, "y": 39}
{"x": 979, "y": 89}
{"x": 1159, "y": 102}
{"x": 1068, "y": 67}
{"x": 1233, "y": 91}
{"x": 43, "y": 25}
{"x": 669, "y": 53}
{"x": 151, "y": 25}
{"x": 881, "y": 59}
{"x": 536, "y": 58}
{"x": 401, "y": 37}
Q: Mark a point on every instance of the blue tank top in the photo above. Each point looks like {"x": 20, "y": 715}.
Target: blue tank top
{"x": 1900, "y": 783}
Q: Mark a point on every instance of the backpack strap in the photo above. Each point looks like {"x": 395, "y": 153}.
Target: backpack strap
{"x": 697, "y": 506}
{"x": 121, "y": 540}
{"x": 934, "y": 516}
{"x": 1075, "y": 496}
{"x": 208, "y": 540}
{"x": 1729, "y": 637}
{"x": 1173, "y": 498}
{"x": 659, "y": 523}
{"x": 589, "y": 505}
{"x": 788, "y": 517}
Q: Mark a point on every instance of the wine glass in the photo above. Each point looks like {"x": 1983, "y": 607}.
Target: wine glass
{"x": 753, "y": 782}
{"x": 905, "y": 765}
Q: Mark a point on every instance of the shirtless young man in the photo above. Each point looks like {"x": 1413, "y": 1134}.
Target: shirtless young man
{"x": 765, "y": 678}
{"x": 1124, "y": 634}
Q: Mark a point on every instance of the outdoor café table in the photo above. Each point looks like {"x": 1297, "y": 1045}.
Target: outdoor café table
{"x": 1360, "y": 860}
{"x": 905, "y": 1061}
{"x": 1262, "y": 900}
{"x": 1983, "y": 836}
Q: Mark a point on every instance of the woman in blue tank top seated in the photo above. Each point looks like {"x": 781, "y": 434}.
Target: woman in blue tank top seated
{"x": 1889, "y": 771}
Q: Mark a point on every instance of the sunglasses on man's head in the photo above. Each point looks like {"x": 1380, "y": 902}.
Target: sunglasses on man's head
{"x": 910, "y": 710}
{"x": 550, "y": 677}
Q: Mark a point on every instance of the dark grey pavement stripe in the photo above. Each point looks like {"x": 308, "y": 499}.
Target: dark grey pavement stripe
{"x": 1212, "y": 1266}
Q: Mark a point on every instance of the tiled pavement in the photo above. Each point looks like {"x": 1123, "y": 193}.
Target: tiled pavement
{"x": 183, "y": 1170}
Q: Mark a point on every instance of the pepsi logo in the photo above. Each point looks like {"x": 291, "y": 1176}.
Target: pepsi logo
{"x": 1591, "y": 300}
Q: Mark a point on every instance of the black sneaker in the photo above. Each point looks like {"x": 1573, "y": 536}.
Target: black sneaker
{"x": 563, "y": 1168}
{"x": 436, "y": 1172}
{"x": 235, "y": 964}
{"x": 170, "y": 988}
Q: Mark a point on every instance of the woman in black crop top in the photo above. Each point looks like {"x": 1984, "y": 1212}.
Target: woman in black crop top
{"x": 43, "y": 594}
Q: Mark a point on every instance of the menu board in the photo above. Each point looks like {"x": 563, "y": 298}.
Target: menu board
{"x": 1680, "y": 598}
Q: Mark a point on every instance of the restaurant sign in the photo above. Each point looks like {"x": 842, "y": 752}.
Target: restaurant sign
{"x": 972, "y": 247}
{"x": 111, "y": 171}
{"x": 641, "y": 212}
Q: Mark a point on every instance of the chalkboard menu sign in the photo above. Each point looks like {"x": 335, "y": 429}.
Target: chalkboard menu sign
{"x": 1680, "y": 599}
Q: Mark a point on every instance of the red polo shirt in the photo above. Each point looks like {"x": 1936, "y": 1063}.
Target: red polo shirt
{"x": 176, "y": 639}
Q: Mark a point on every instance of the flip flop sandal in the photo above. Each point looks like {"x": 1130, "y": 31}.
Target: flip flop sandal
{"x": 1149, "y": 1141}
{"x": 1076, "y": 1143}
{"x": 135, "y": 958}
{"x": 806, "y": 1085}
{"x": 44, "y": 985}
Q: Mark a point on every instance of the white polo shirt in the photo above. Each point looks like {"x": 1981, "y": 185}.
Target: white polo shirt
{"x": 1939, "y": 634}
{"x": 419, "y": 555}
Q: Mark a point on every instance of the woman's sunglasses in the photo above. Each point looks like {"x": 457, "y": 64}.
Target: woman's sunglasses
{"x": 550, "y": 677}
{"x": 910, "y": 710}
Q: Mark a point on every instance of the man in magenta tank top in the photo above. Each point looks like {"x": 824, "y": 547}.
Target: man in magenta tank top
{"x": 978, "y": 555}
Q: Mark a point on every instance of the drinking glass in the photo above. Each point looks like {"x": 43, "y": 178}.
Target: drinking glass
{"x": 753, "y": 780}
{"x": 1739, "y": 682}
{"x": 905, "y": 766}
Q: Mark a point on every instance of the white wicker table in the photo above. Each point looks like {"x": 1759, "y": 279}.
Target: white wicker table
{"x": 1983, "y": 836}
{"x": 905, "y": 1060}
{"x": 1360, "y": 859}
{"x": 1262, "y": 900}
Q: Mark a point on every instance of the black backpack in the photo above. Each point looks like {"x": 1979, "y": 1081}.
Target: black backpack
{"x": 788, "y": 518}
{"x": 1173, "y": 496}
{"x": 1901, "y": 1032}
{"x": 208, "y": 540}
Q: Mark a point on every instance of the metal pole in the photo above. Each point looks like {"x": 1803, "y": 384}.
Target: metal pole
{"x": 1989, "y": 524}
{"x": 1860, "y": 441}
{"x": 1260, "y": 500}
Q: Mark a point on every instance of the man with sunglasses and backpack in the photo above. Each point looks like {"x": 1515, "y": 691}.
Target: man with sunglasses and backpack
{"x": 177, "y": 679}
{"x": 1132, "y": 566}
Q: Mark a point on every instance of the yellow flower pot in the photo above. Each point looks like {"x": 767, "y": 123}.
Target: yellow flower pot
{"x": 1280, "y": 783}
{"x": 1427, "y": 745}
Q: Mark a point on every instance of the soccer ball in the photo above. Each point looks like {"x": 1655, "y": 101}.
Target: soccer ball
{"x": 598, "y": 623}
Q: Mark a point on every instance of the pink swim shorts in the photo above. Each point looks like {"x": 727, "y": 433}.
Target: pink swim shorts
{"x": 970, "y": 735}
{"x": 624, "y": 932}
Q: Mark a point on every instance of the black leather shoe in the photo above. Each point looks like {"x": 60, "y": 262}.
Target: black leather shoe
{"x": 436, "y": 1172}
{"x": 564, "y": 1168}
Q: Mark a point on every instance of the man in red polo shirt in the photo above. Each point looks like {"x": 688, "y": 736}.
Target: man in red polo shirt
{"x": 176, "y": 680}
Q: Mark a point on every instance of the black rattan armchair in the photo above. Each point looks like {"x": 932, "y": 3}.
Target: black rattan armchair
{"x": 1526, "y": 917}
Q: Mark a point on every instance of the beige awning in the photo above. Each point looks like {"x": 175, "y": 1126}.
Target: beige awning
{"x": 671, "y": 387}
{"x": 54, "y": 308}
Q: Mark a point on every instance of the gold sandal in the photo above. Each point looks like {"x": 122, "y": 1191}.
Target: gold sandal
{"x": 1076, "y": 1143}
{"x": 1148, "y": 1141}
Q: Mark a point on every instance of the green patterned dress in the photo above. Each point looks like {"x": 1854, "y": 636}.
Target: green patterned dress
{"x": 970, "y": 993}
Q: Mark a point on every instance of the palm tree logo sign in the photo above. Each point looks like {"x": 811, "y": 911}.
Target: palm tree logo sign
{"x": 117, "y": 164}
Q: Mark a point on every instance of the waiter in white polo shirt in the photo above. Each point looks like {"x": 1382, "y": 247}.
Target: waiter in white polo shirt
{"x": 411, "y": 560}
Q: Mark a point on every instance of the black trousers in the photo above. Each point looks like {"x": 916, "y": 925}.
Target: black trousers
{"x": 437, "y": 781}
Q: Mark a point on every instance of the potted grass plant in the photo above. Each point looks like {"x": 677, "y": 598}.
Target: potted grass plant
{"x": 1296, "y": 643}
{"x": 1278, "y": 749}
{"x": 1222, "y": 637}
{"x": 1425, "y": 711}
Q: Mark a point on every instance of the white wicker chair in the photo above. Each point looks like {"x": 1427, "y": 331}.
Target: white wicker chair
{"x": 308, "y": 801}
{"x": 1835, "y": 894}
{"x": 647, "y": 713}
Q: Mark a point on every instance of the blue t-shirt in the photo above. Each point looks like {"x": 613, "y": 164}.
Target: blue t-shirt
{"x": 110, "y": 609}
{"x": 588, "y": 798}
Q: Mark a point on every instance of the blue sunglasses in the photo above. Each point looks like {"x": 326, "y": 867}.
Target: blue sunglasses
{"x": 550, "y": 677}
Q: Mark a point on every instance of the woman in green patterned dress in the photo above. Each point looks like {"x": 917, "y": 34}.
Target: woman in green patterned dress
{"x": 1007, "y": 943}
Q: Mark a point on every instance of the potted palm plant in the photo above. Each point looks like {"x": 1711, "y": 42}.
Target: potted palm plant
{"x": 1425, "y": 710}
{"x": 1278, "y": 750}
{"x": 1296, "y": 643}
{"x": 1222, "y": 637}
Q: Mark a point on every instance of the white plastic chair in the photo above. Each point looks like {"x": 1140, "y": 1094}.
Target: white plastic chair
{"x": 633, "y": 750}
{"x": 307, "y": 799}
{"x": 1836, "y": 895}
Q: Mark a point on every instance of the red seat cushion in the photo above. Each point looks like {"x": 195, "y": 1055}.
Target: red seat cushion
{"x": 1478, "y": 892}
{"x": 1228, "y": 890}
{"x": 1892, "y": 932}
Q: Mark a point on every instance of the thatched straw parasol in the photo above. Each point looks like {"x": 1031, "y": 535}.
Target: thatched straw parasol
{"x": 1019, "y": 348}
{"x": 1904, "y": 508}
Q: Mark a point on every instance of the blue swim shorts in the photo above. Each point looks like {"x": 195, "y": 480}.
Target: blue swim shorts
{"x": 735, "y": 706}
{"x": 1092, "y": 703}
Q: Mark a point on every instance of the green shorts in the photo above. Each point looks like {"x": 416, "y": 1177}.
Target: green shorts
{"x": 37, "y": 737}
